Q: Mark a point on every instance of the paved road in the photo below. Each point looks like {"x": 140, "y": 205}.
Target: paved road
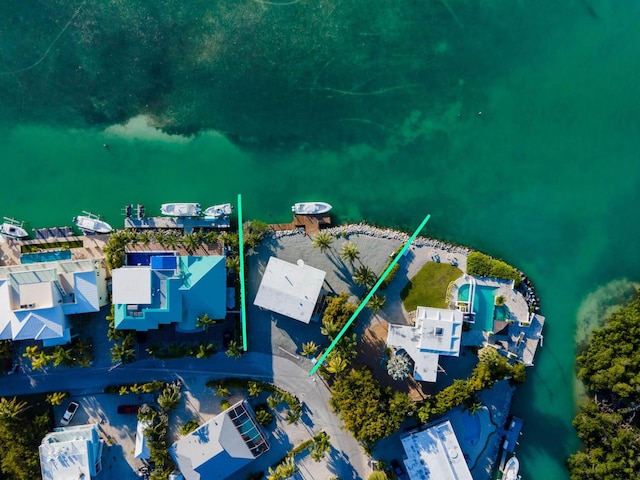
{"x": 351, "y": 463}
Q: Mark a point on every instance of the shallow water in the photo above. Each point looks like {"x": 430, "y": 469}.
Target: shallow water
{"x": 375, "y": 110}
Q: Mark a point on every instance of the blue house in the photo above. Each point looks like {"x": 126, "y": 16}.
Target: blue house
{"x": 170, "y": 289}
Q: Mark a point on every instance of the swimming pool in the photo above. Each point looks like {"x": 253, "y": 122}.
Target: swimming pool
{"x": 52, "y": 256}
{"x": 483, "y": 305}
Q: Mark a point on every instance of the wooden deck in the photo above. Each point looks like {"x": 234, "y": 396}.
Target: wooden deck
{"x": 311, "y": 223}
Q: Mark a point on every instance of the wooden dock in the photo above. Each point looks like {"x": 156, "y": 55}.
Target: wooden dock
{"x": 187, "y": 224}
{"x": 311, "y": 223}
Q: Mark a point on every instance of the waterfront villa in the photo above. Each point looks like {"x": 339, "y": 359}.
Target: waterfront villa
{"x": 497, "y": 315}
{"x": 37, "y": 298}
{"x": 436, "y": 332}
{"x": 292, "y": 290}
{"x": 169, "y": 289}
{"x": 71, "y": 452}
{"x": 221, "y": 446}
{"x": 434, "y": 454}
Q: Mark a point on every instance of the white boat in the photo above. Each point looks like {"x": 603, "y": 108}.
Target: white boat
{"x": 91, "y": 223}
{"x": 13, "y": 228}
{"x": 218, "y": 211}
{"x": 181, "y": 209}
{"x": 511, "y": 468}
{"x": 311, "y": 208}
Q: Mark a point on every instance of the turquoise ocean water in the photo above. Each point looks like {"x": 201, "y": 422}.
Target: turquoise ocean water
{"x": 374, "y": 111}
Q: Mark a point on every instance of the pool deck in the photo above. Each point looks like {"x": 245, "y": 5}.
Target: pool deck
{"x": 92, "y": 247}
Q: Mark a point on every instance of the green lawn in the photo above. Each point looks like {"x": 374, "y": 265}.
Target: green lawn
{"x": 429, "y": 287}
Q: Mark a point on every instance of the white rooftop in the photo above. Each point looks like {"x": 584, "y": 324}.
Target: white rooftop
{"x": 437, "y": 332}
{"x": 290, "y": 289}
{"x": 71, "y": 453}
{"x": 131, "y": 285}
{"x": 435, "y": 454}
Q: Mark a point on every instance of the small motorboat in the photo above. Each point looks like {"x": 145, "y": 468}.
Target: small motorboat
{"x": 511, "y": 468}
{"x": 91, "y": 223}
{"x": 13, "y": 228}
{"x": 311, "y": 208}
{"x": 181, "y": 209}
{"x": 219, "y": 211}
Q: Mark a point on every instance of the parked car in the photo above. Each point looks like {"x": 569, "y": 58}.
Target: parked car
{"x": 397, "y": 469}
{"x": 69, "y": 413}
{"x": 128, "y": 409}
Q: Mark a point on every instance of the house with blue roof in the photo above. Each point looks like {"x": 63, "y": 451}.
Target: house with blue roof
{"x": 171, "y": 289}
{"x": 36, "y": 299}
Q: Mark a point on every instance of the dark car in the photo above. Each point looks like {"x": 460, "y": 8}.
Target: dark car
{"x": 133, "y": 409}
{"x": 397, "y": 469}
{"x": 69, "y": 413}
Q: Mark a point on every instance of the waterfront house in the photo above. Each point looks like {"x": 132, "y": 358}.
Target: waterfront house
{"x": 71, "y": 452}
{"x": 170, "y": 289}
{"x": 221, "y": 446}
{"x": 434, "y": 454}
{"x": 37, "y": 298}
{"x": 436, "y": 332}
{"x": 292, "y": 290}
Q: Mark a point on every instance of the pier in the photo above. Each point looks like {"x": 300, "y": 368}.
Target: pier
{"x": 186, "y": 224}
{"x": 311, "y": 223}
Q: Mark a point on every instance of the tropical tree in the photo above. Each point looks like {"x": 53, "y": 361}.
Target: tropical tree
{"x": 189, "y": 426}
{"x": 378, "y": 476}
{"x": 56, "y": 398}
{"x": 399, "y": 367}
{"x": 322, "y": 241}
{"x": 40, "y": 361}
{"x": 364, "y": 276}
{"x": 273, "y": 401}
{"x": 309, "y": 349}
{"x": 338, "y": 310}
{"x": 62, "y": 356}
{"x": 284, "y": 470}
{"x": 170, "y": 397}
{"x": 222, "y": 391}
{"x": 336, "y": 364}
{"x": 264, "y": 417}
{"x": 293, "y": 415}
{"x": 205, "y": 322}
{"x": 124, "y": 352}
{"x": 377, "y": 302}
{"x": 12, "y": 409}
{"x": 206, "y": 350}
{"x": 234, "y": 350}
{"x": 30, "y": 352}
{"x": 320, "y": 446}
{"x": 254, "y": 389}
{"x": 330, "y": 329}
{"x": 350, "y": 252}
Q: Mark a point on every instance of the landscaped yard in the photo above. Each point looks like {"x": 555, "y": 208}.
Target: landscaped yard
{"x": 429, "y": 287}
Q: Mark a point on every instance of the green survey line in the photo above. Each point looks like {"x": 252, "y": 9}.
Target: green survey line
{"x": 243, "y": 303}
{"x": 371, "y": 293}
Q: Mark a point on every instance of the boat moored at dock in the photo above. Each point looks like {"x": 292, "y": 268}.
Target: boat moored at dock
{"x": 181, "y": 209}
{"x": 218, "y": 211}
{"x": 91, "y": 223}
{"x": 511, "y": 469}
{"x": 311, "y": 208}
{"x": 13, "y": 228}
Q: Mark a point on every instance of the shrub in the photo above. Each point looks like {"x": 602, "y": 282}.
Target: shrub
{"x": 481, "y": 265}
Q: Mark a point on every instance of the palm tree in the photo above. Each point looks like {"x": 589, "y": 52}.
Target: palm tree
{"x": 40, "y": 361}
{"x": 170, "y": 397}
{"x": 377, "y": 302}
{"x": 399, "y": 367}
{"x": 320, "y": 446}
{"x": 330, "y": 329}
{"x": 322, "y": 241}
{"x": 309, "y": 349}
{"x": 205, "y": 322}
{"x": 124, "y": 352}
{"x": 206, "y": 350}
{"x": 30, "y": 352}
{"x": 56, "y": 398}
{"x": 364, "y": 276}
{"x": 12, "y": 409}
{"x": 293, "y": 415}
{"x": 273, "y": 401}
{"x": 350, "y": 252}
{"x": 62, "y": 356}
{"x": 234, "y": 350}
{"x": 254, "y": 389}
{"x": 336, "y": 364}
{"x": 191, "y": 242}
{"x": 222, "y": 391}
{"x": 288, "y": 467}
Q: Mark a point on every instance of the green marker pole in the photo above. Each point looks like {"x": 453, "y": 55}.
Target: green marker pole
{"x": 368, "y": 297}
{"x": 243, "y": 306}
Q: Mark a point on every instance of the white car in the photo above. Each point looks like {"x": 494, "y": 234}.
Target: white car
{"x": 69, "y": 413}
